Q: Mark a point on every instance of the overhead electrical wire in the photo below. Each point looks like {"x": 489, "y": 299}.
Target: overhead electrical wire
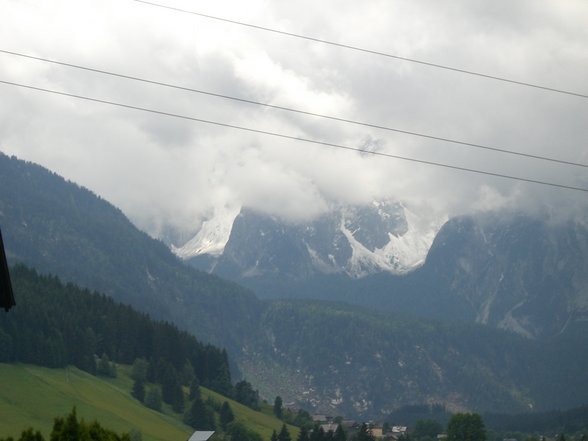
{"x": 369, "y": 51}
{"x": 303, "y": 112}
{"x": 295, "y": 138}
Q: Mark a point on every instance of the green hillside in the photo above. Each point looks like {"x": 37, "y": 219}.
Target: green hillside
{"x": 31, "y": 396}
{"x": 261, "y": 422}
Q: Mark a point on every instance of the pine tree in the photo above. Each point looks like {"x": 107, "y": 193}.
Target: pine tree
{"x": 153, "y": 398}
{"x": 284, "y": 435}
{"x": 187, "y": 374}
{"x": 105, "y": 367}
{"x": 303, "y": 434}
{"x": 66, "y": 429}
{"x": 194, "y": 389}
{"x": 199, "y": 416}
{"x": 30, "y": 435}
{"x": 318, "y": 433}
{"x": 339, "y": 434}
{"x": 226, "y": 415}
{"x": 278, "y": 407}
{"x": 138, "y": 390}
{"x": 140, "y": 368}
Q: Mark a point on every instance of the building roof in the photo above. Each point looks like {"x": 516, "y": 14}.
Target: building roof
{"x": 201, "y": 435}
{"x": 329, "y": 427}
{"x": 319, "y": 418}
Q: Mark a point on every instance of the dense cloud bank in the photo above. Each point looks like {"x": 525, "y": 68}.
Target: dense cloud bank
{"x": 167, "y": 173}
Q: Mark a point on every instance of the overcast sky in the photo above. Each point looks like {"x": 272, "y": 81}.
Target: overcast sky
{"x": 168, "y": 172}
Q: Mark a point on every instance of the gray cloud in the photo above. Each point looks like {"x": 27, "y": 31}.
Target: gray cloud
{"x": 165, "y": 172}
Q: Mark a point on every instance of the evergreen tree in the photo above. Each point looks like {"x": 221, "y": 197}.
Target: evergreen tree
{"x": 178, "y": 404}
{"x": 274, "y": 436}
{"x": 199, "y": 416}
{"x": 187, "y": 374}
{"x": 339, "y": 434}
{"x": 226, "y": 415}
{"x": 66, "y": 429}
{"x": 278, "y": 407}
{"x": 318, "y": 434}
{"x": 284, "y": 435}
{"x": 303, "y": 419}
{"x": 105, "y": 368}
{"x": 153, "y": 398}
{"x": 139, "y": 371}
{"x": 30, "y": 435}
{"x": 303, "y": 434}
{"x": 245, "y": 394}
{"x": 70, "y": 429}
{"x": 194, "y": 389}
{"x": 138, "y": 390}
{"x": 171, "y": 389}
{"x": 238, "y": 432}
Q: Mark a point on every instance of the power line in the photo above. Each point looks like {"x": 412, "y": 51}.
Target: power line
{"x": 302, "y": 112}
{"x": 369, "y": 51}
{"x": 295, "y": 138}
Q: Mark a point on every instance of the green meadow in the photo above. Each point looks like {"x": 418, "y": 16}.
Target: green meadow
{"x": 32, "y": 396}
{"x": 261, "y": 422}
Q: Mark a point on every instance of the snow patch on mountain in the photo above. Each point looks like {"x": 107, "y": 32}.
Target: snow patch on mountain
{"x": 353, "y": 240}
{"x": 212, "y": 236}
{"x": 403, "y": 252}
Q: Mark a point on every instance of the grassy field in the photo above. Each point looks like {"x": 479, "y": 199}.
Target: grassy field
{"x": 31, "y": 396}
{"x": 262, "y": 423}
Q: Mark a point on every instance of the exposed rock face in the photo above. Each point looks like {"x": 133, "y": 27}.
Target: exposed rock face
{"x": 355, "y": 241}
{"x": 517, "y": 273}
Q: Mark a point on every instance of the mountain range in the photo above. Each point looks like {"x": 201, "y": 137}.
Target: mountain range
{"x": 355, "y": 241}
{"x": 356, "y": 340}
{"x": 508, "y": 270}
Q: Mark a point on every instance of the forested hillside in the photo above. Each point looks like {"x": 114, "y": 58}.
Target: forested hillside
{"x": 56, "y": 325}
{"x": 361, "y": 361}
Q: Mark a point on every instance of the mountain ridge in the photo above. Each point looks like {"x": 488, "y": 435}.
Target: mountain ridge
{"x": 352, "y": 240}
{"x": 503, "y": 269}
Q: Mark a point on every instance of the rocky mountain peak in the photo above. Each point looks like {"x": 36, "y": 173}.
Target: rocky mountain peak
{"x": 354, "y": 240}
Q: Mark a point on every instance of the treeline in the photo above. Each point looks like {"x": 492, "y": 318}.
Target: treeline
{"x": 56, "y": 325}
{"x": 70, "y": 428}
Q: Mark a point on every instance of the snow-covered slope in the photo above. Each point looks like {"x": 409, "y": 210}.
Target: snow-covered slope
{"x": 212, "y": 236}
{"x": 404, "y": 251}
{"x": 357, "y": 241}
